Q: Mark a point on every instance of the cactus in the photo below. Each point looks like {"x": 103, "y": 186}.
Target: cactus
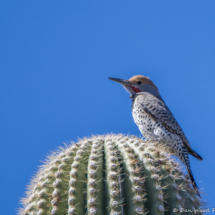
{"x": 110, "y": 175}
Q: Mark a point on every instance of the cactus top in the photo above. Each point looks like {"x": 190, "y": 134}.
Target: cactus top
{"x": 111, "y": 174}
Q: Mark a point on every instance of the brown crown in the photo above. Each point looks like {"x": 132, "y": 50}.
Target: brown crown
{"x": 143, "y": 79}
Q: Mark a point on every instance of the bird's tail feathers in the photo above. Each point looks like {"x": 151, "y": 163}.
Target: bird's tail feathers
{"x": 195, "y": 186}
{"x": 195, "y": 154}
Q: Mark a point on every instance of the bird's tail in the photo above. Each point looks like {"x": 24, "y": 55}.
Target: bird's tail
{"x": 194, "y": 154}
{"x": 193, "y": 180}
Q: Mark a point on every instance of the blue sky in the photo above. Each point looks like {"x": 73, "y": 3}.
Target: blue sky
{"x": 55, "y": 59}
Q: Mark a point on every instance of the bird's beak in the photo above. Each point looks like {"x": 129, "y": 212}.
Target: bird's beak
{"x": 121, "y": 81}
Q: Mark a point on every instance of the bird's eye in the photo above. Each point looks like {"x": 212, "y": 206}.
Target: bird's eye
{"x": 139, "y": 82}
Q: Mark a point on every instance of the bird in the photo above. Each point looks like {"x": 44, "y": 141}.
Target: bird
{"x": 155, "y": 120}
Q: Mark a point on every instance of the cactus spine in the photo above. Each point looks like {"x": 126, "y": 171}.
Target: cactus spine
{"x": 110, "y": 175}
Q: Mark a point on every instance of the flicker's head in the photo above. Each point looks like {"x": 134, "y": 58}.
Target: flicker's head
{"x": 138, "y": 83}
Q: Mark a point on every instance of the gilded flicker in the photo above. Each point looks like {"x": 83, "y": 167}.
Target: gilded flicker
{"x": 155, "y": 120}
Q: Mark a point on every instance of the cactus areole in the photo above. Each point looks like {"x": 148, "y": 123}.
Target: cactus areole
{"x": 110, "y": 175}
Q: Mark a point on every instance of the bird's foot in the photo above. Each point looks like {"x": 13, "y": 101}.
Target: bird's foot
{"x": 155, "y": 141}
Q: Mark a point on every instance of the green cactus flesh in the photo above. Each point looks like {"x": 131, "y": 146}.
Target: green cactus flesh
{"x": 110, "y": 175}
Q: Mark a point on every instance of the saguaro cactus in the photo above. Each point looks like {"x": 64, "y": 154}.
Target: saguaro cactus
{"x": 110, "y": 175}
